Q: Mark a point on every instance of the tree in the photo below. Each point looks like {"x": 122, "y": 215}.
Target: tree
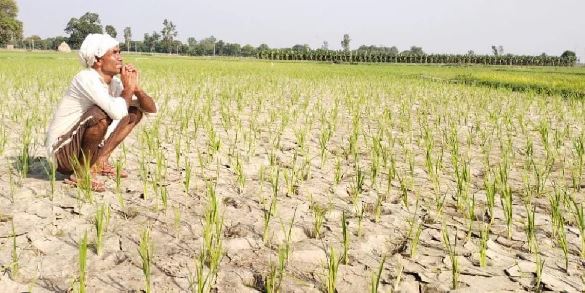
{"x": 192, "y": 42}
{"x": 10, "y": 27}
{"x": 263, "y": 47}
{"x": 414, "y": 50}
{"x": 78, "y": 29}
{"x": 495, "y": 50}
{"x": 34, "y": 42}
{"x": 568, "y": 54}
{"x": 301, "y": 48}
{"x": 169, "y": 32}
{"x": 127, "y": 36}
{"x": 248, "y": 51}
{"x": 110, "y": 30}
{"x": 219, "y": 47}
{"x": 233, "y": 49}
{"x": 151, "y": 41}
{"x": 325, "y": 45}
{"x": 345, "y": 42}
{"x": 208, "y": 45}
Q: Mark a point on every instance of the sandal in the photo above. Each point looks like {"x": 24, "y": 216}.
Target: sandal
{"x": 96, "y": 186}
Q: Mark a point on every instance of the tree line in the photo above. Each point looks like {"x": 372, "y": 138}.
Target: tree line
{"x": 165, "y": 41}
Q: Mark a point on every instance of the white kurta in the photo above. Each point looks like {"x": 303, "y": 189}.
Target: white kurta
{"x": 87, "y": 89}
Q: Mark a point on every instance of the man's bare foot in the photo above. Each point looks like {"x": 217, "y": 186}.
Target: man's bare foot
{"x": 96, "y": 185}
{"x": 106, "y": 169}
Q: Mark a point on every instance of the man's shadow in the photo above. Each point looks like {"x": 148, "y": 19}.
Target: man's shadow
{"x": 36, "y": 168}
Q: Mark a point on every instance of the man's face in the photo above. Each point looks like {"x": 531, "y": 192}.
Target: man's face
{"x": 111, "y": 62}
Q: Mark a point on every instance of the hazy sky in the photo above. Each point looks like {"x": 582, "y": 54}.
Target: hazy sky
{"x": 447, "y": 26}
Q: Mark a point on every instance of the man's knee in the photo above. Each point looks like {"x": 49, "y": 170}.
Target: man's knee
{"x": 98, "y": 129}
{"x": 99, "y": 117}
{"x": 135, "y": 115}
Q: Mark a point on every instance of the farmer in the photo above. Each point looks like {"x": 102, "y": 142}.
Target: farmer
{"x": 97, "y": 113}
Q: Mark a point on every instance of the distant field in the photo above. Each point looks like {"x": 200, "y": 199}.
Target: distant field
{"x": 305, "y": 177}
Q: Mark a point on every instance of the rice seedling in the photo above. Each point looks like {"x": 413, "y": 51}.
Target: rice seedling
{"x": 490, "y": 193}
{"x": 539, "y": 269}
{"x": 84, "y": 181}
{"x": 23, "y": 158}
{"x": 360, "y": 215}
{"x": 241, "y": 177}
{"x": 338, "y": 173}
{"x": 506, "y": 198}
{"x": 530, "y": 228}
{"x": 375, "y": 280}
{"x": 451, "y": 250}
{"x": 199, "y": 282}
{"x": 101, "y": 222}
{"x": 485, "y": 236}
{"x": 164, "y": 197}
{"x": 414, "y": 232}
{"x": 14, "y": 267}
{"x": 319, "y": 213}
{"x": 118, "y": 181}
{"x": 82, "y": 263}
{"x": 51, "y": 171}
{"x": 378, "y": 206}
{"x": 562, "y": 241}
{"x": 12, "y": 184}
{"x": 391, "y": 173}
{"x": 268, "y": 213}
{"x": 212, "y": 232}
{"x": 470, "y": 214}
{"x": 398, "y": 278}
{"x": 580, "y": 219}
{"x": 3, "y": 139}
{"x": 345, "y": 237}
{"x": 324, "y": 138}
{"x": 579, "y": 151}
{"x": 332, "y": 268}
{"x": 290, "y": 181}
{"x": 145, "y": 251}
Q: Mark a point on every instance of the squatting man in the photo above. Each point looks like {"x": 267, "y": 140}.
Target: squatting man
{"x": 97, "y": 112}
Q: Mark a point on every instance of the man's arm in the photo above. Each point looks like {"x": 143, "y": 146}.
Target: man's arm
{"x": 145, "y": 101}
{"x": 129, "y": 81}
{"x": 147, "y": 104}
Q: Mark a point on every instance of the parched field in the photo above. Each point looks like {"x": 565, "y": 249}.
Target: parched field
{"x": 304, "y": 177}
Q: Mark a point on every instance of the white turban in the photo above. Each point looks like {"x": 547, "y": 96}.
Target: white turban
{"x": 95, "y": 45}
